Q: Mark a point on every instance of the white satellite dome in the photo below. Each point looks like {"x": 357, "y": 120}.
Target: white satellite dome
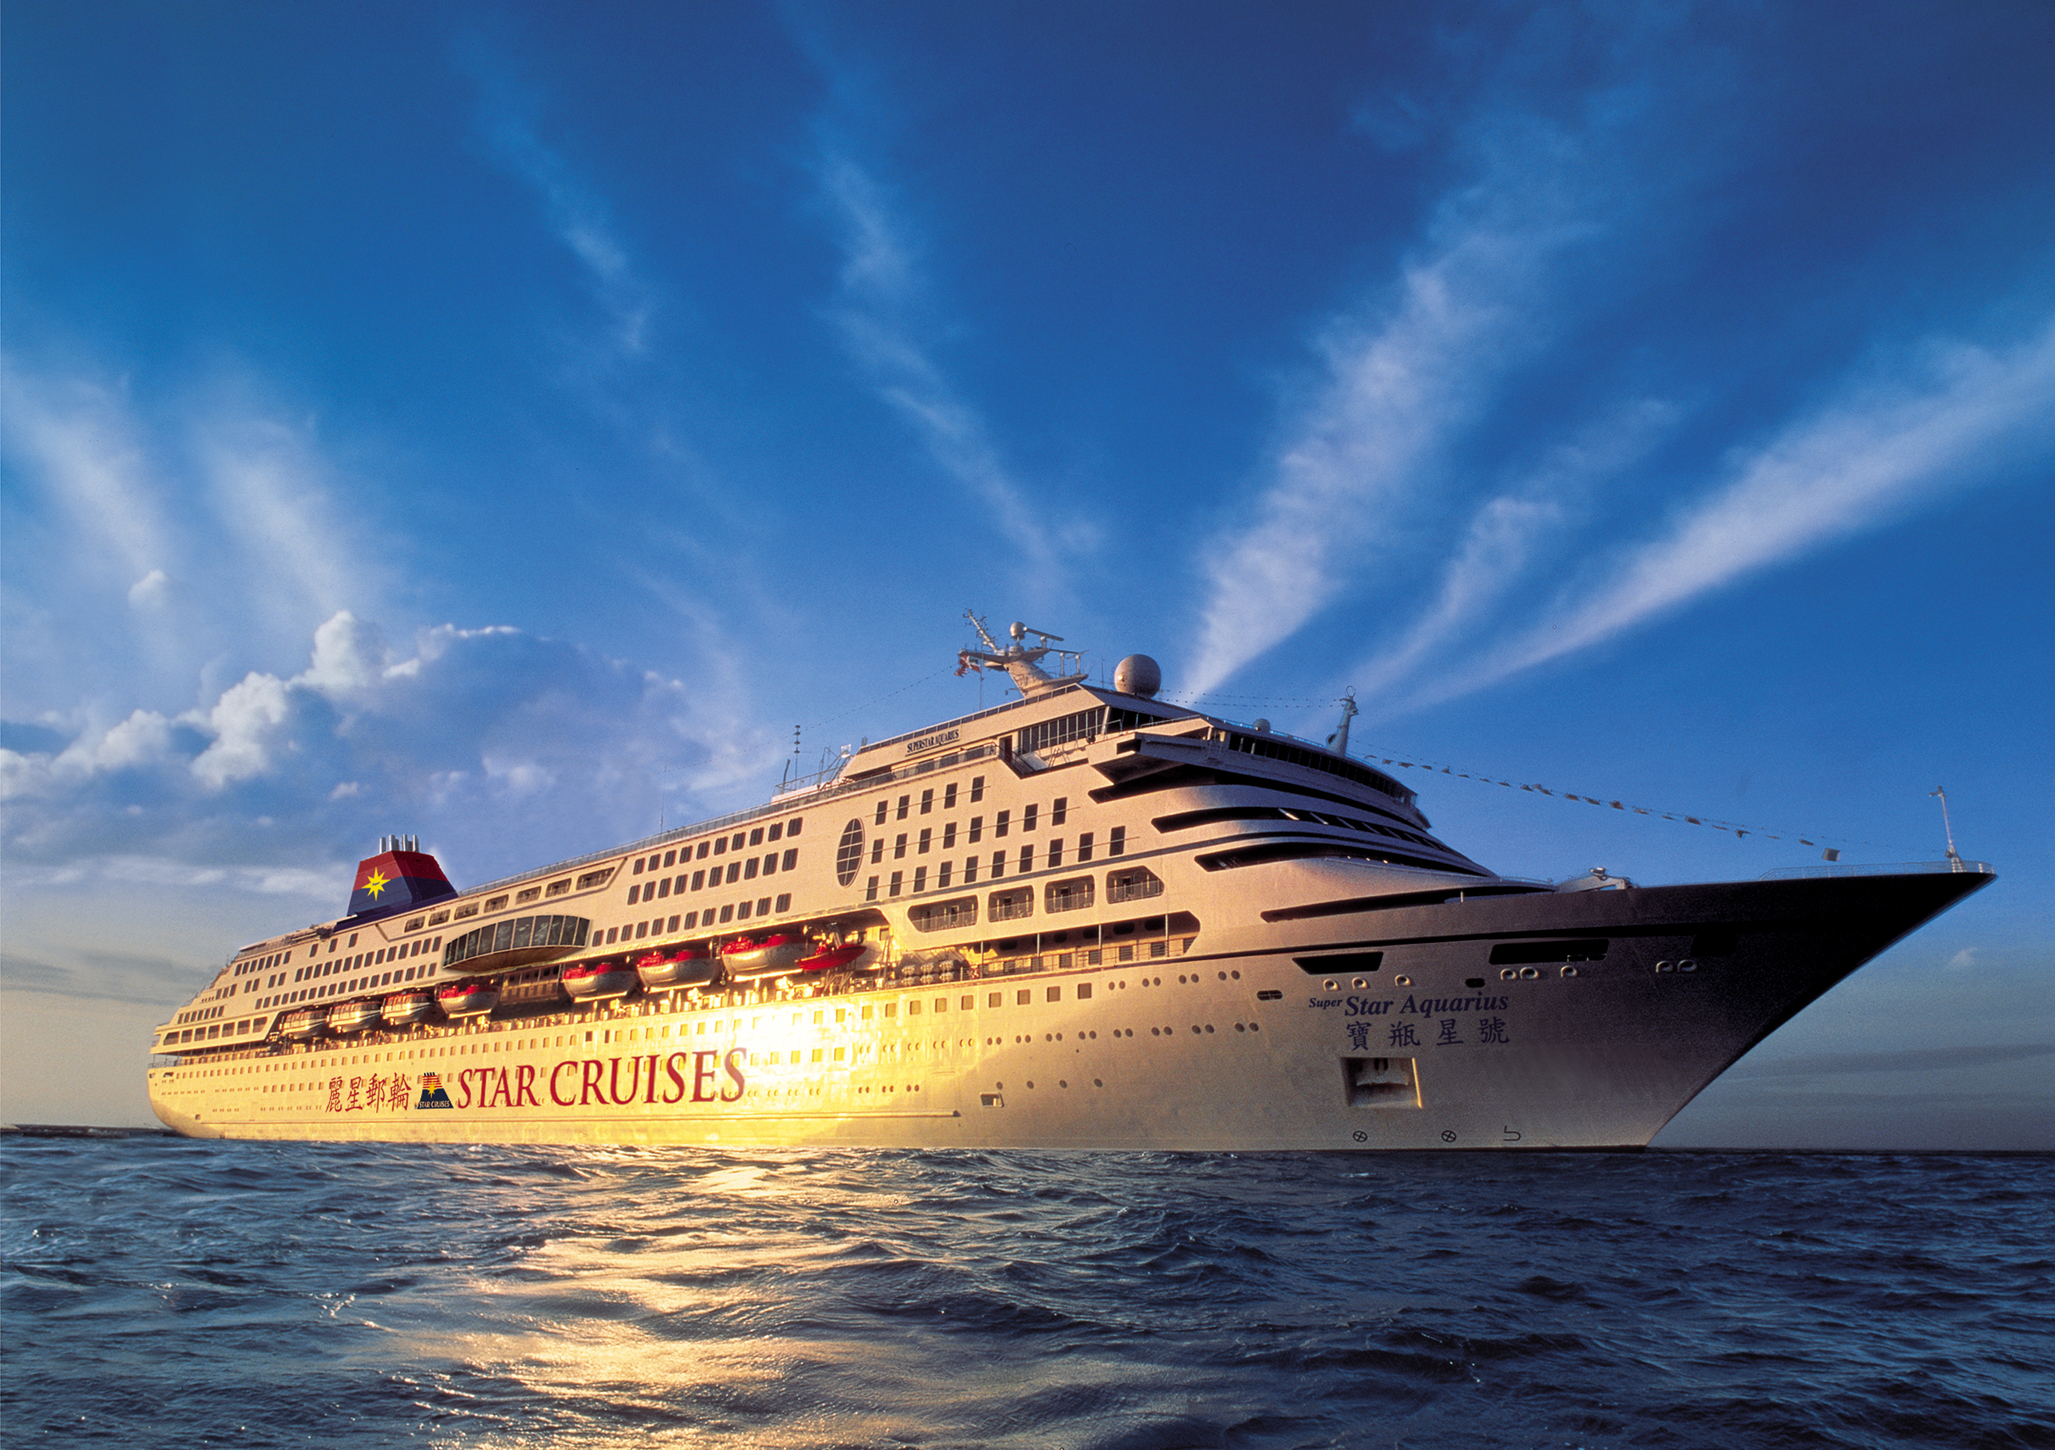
{"x": 1138, "y": 675}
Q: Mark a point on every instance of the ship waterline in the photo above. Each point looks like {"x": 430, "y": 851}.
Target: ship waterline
{"x": 1086, "y": 918}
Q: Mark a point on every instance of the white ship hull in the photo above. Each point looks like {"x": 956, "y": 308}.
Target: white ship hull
{"x": 1085, "y": 920}
{"x": 1173, "y": 1052}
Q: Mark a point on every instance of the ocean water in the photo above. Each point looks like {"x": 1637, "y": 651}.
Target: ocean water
{"x": 165, "y": 1292}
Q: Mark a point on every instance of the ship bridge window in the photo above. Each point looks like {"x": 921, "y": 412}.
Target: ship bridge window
{"x": 589, "y": 880}
{"x": 533, "y": 893}
{"x": 1269, "y": 747}
{"x": 1084, "y": 725}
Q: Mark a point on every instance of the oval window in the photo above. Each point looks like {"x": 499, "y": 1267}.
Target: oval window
{"x": 849, "y": 853}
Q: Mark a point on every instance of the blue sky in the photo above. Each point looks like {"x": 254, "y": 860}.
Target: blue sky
{"x": 505, "y": 423}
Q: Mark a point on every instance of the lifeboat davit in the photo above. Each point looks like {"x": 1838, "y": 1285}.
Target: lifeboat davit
{"x": 688, "y": 967}
{"x": 467, "y": 999}
{"x": 772, "y": 957}
{"x": 402, "y": 1009}
{"x": 306, "y": 1023}
{"x": 585, "y": 981}
{"x": 830, "y": 957}
{"x": 354, "y": 1016}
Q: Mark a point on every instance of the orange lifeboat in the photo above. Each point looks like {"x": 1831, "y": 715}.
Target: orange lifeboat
{"x": 402, "y": 1009}
{"x": 467, "y": 999}
{"x": 354, "y": 1016}
{"x": 686, "y": 967}
{"x": 773, "y": 956}
{"x": 586, "y": 981}
{"x": 305, "y": 1024}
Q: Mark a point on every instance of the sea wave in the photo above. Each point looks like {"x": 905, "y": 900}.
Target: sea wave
{"x": 161, "y": 1290}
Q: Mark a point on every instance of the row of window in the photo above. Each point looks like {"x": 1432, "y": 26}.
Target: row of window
{"x": 927, "y": 800}
{"x": 925, "y": 842}
{"x": 696, "y": 920}
{"x": 1084, "y": 725}
{"x": 945, "y": 875}
{"x": 517, "y": 933}
{"x": 261, "y": 964}
{"x": 1133, "y": 884}
{"x": 319, "y": 970}
{"x": 768, "y": 865}
{"x": 397, "y": 977}
{"x": 1030, "y": 818}
{"x": 202, "y": 1034}
{"x": 718, "y": 846}
{"x": 1270, "y": 748}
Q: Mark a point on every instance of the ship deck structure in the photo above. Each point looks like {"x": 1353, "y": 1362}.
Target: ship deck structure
{"x": 1085, "y": 918}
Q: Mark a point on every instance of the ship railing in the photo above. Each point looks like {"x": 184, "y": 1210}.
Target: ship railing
{"x": 1901, "y": 868}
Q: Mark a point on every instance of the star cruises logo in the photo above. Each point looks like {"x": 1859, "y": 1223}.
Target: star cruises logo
{"x": 375, "y": 883}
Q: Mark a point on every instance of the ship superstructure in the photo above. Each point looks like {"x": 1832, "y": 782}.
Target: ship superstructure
{"x": 1086, "y": 917}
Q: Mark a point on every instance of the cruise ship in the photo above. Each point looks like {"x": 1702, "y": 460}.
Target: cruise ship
{"x": 1085, "y": 918}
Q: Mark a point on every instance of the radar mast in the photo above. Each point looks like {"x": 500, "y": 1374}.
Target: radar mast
{"x": 1021, "y": 661}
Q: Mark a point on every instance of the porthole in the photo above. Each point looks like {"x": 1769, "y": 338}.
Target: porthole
{"x": 1359, "y": 984}
{"x": 1403, "y": 981}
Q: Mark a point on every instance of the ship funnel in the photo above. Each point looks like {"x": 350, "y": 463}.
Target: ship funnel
{"x": 398, "y": 878}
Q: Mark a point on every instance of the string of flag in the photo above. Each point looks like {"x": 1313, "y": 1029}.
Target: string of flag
{"x": 1738, "y": 829}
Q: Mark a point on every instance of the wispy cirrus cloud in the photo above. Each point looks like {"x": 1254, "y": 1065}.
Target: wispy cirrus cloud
{"x": 1953, "y": 416}
{"x": 1398, "y": 381}
{"x": 580, "y": 219}
{"x": 1494, "y": 557}
{"x": 152, "y": 526}
{"x": 881, "y": 315}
